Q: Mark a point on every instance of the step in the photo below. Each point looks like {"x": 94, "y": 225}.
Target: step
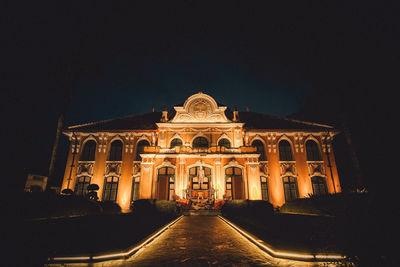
{"x": 202, "y": 212}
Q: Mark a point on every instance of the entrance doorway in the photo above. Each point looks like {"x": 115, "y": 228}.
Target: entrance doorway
{"x": 166, "y": 183}
{"x": 234, "y": 183}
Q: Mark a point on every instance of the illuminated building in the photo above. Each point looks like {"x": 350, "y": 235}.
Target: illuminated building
{"x": 201, "y": 150}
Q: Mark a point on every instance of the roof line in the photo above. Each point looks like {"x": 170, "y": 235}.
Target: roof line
{"x": 310, "y": 123}
{"x": 294, "y": 120}
{"x": 102, "y": 121}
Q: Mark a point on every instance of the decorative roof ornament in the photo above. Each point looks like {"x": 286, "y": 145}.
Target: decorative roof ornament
{"x": 200, "y": 108}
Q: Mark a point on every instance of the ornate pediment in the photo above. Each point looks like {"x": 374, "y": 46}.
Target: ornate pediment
{"x": 200, "y": 108}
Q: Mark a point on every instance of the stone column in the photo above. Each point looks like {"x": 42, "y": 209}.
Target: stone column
{"x": 253, "y": 179}
{"x": 218, "y": 181}
{"x": 181, "y": 184}
{"x": 146, "y": 180}
{"x": 125, "y": 180}
{"x": 100, "y": 164}
{"x": 303, "y": 179}
{"x": 275, "y": 186}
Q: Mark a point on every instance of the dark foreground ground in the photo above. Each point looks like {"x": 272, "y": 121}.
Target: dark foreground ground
{"x": 200, "y": 241}
{"x": 85, "y": 235}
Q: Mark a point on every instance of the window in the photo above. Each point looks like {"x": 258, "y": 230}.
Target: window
{"x": 89, "y": 150}
{"x": 194, "y": 178}
{"x": 200, "y": 142}
{"x": 81, "y": 185}
{"x": 140, "y": 149}
{"x": 290, "y": 188}
{"x": 110, "y": 188}
{"x": 285, "y": 151}
{"x": 264, "y": 187}
{"x": 319, "y": 186}
{"x": 135, "y": 188}
{"x": 233, "y": 178}
{"x": 176, "y": 142}
{"x": 166, "y": 183}
{"x": 313, "y": 151}
{"x": 115, "y": 151}
{"x": 260, "y": 149}
{"x": 224, "y": 142}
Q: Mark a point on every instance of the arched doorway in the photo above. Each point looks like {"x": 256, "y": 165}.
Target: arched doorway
{"x": 234, "y": 183}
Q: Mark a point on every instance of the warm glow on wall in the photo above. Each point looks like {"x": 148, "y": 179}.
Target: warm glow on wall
{"x": 254, "y": 192}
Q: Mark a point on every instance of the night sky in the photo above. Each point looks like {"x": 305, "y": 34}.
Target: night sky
{"x": 121, "y": 58}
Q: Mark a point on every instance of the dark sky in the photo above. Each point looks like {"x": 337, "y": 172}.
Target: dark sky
{"x": 122, "y": 58}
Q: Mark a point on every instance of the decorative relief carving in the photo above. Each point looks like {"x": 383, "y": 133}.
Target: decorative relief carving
{"x": 288, "y": 168}
{"x": 316, "y": 168}
{"x": 264, "y": 168}
{"x": 113, "y": 168}
{"x": 85, "y": 168}
{"x": 136, "y": 168}
{"x": 200, "y": 108}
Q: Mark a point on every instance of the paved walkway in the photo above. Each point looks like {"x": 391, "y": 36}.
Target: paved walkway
{"x": 200, "y": 241}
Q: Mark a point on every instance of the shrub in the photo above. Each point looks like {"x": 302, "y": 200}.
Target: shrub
{"x": 168, "y": 207}
{"x": 150, "y": 206}
{"x": 244, "y": 208}
{"x": 218, "y": 204}
{"x": 110, "y": 207}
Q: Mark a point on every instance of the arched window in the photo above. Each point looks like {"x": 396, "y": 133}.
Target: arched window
{"x": 260, "y": 149}
{"x": 290, "y": 188}
{"x": 89, "y": 151}
{"x": 194, "y": 177}
{"x": 140, "y": 149}
{"x": 285, "y": 151}
{"x": 224, "y": 142}
{"x": 115, "y": 151}
{"x": 264, "y": 187}
{"x": 166, "y": 183}
{"x": 110, "y": 188}
{"x": 81, "y": 185}
{"x": 319, "y": 186}
{"x": 234, "y": 184}
{"x": 200, "y": 142}
{"x": 176, "y": 142}
{"x": 313, "y": 151}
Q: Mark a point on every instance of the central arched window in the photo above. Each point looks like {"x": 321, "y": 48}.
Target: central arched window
{"x": 313, "y": 153}
{"x": 290, "y": 188}
{"x": 260, "y": 149}
{"x": 166, "y": 183}
{"x": 176, "y": 142}
{"x": 115, "y": 151}
{"x": 81, "y": 185}
{"x": 224, "y": 142}
{"x": 89, "y": 151}
{"x": 234, "y": 183}
{"x": 285, "y": 151}
{"x": 200, "y": 142}
{"x": 319, "y": 186}
{"x": 264, "y": 187}
{"x": 140, "y": 149}
{"x": 110, "y": 188}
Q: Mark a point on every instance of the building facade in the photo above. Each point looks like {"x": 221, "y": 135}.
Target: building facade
{"x": 201, "y": 150}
